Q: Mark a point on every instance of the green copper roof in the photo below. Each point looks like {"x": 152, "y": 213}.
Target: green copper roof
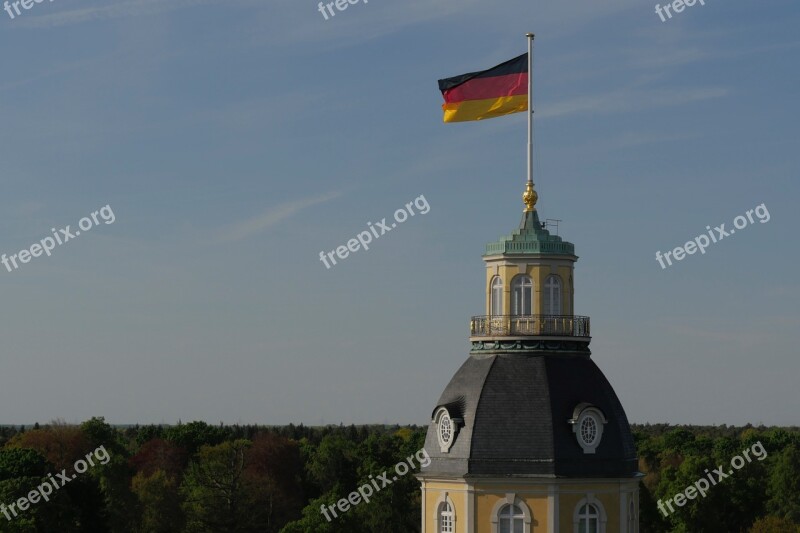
{"x": 530, "y": 238}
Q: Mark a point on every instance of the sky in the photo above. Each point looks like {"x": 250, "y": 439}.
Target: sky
{"x": 234, "y": 141}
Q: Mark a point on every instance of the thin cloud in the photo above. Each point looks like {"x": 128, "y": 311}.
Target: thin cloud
{"x": 371, "y": 22}
{"x": 270, "y": 218}
{"x": 122, "y": 9}
{"x": 630, "y": 100}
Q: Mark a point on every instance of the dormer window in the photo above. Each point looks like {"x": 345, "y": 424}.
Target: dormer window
{"x": 446, "y": 428}
{"x": 587, "y": 424}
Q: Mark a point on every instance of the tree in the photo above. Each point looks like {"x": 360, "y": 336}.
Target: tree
{"x": 334, "y": 463}
{"x": 193, "y": 435}
{"x": 21, "y": 471}
{"x": 159, "y": 501}
{"x": 216, "y": 499}
{"x": 273, "y": 474}
{"x": 650, "y": 518}
{"x": 112, "y": 478}
{"x": 59, "y": 443}
{"x": 159, "y": 454}
{"x": 728, "y": 504}
{"x": 313, "y": 520}
{"x": 784, "y": 485}
{"x": 773, "y": 524}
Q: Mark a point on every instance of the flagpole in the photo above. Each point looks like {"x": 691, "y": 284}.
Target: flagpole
{"x": 530, "y": 195}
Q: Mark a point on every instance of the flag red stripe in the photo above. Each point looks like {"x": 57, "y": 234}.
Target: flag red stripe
{"x": 492, "y": 87}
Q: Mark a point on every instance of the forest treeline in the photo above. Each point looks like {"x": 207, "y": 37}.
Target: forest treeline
{"x": 200, "y": 478}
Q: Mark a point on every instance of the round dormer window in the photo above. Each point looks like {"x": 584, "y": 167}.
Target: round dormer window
{"x": 589, "y": 430}
{"x": 445, "y": 429}
{"x": 587, "y": 424}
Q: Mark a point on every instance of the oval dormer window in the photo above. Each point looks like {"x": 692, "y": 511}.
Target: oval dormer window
{"x": 587, "y": 424}
{"x": 445, "y": 429}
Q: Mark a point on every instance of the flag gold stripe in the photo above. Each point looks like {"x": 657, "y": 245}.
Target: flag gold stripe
{"x": 482, "y": 109}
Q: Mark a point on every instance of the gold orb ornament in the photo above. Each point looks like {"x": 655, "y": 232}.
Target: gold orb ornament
{"x": 529, "y": 197}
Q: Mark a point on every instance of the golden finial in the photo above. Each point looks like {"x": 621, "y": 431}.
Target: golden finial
{"x": 529, "y": 197}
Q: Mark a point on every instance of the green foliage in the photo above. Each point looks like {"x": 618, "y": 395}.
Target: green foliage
{"x": 773, "y": 524}
{"x": 99, "y": 433}
{"x": 339, "y": 467}
{"x": 113, "y": 478}
{"x": 198, "y": 478}
{"x": 193, "y": 435}
{"x": 214, "y": 489}
{"x": 19, "y": 462}
{"x": 334, "y": 463}
{"x": 313, "y": 520}
{"x": 649, "y": 513}
{"x": 784, "y": 485}
{"x": 21, "y": 471}
{"x": 159, "y": 501}
{"x": 676, "y": 458}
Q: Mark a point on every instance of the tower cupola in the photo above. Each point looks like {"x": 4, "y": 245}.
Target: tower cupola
{"x": 530, "y": 292}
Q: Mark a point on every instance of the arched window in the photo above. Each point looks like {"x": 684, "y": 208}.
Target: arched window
{"x": 511, "y": 519}
{"x": 522, "y": 290}
{"x": 552, "y": 296}
{"x": 446, "y": 518}
{"x": 632, "y": 517}
{"x": 497, "y": 296}
{"x": 588, "y": 519}
{"x": 511, "y": 515}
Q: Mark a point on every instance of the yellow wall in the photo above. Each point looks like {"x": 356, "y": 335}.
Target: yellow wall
{"x": 538, "y": 274}
{"x": 486, "y": 502}
{"x": 536, "y": 497}
{"x": 456, "y": 493}
{"x": 607, "y": 495}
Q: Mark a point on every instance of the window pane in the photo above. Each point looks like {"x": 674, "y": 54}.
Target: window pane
{"x": 552, "y": 296}
{"x": 582, "y": 526}
{"x": 497, "y": 296}
{"x": 518, "y": 525}
{"x": 447, "y": 525}
{"x": 504, "y": 526}
{"x": 521, "y": 291}
{"x": 445, "y": 518}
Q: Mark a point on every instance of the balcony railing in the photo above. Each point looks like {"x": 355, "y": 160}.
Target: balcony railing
{"x": 522, "y": 325}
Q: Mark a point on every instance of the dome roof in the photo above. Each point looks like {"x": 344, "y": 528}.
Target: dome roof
{"x": 519, "y": 415}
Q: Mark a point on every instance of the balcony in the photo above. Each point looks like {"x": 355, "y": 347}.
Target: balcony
{"x": 529, "y": 326}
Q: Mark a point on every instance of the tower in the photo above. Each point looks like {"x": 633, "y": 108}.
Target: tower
{"x": 529, "y": 436}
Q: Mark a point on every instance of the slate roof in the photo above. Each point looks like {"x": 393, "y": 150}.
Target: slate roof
{"x": 515, "y": 410}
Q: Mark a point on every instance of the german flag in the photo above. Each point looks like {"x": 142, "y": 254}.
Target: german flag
{"x": 499, "y": 91}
